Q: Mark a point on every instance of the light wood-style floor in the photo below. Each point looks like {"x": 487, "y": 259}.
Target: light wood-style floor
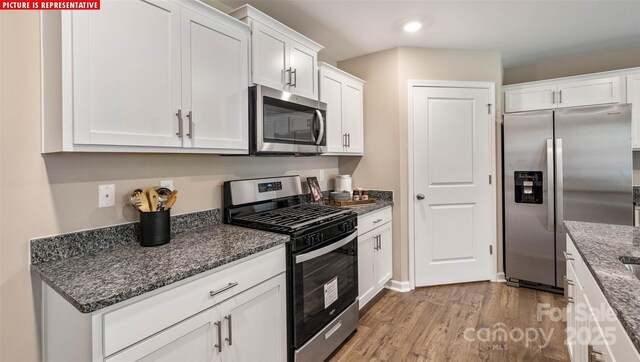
{"x": 429, "y": 324}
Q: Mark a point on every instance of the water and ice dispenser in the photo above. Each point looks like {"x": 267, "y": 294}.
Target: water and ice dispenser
{"x": 528, "y": 187}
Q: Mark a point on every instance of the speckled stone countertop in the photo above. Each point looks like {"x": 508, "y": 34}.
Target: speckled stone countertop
{"x": 362, "y": 210}
{"x": 92, "y": 281}
{"x": 602, "y": 247}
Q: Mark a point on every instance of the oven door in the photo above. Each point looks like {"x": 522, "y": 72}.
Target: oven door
{"x": 286, "y": 123}
{"x": 325, "y": 282}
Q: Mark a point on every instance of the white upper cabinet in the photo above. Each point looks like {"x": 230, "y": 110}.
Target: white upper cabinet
{"x": 633, "y": 97}
{"x": 530, "y": 98}
{"x": 214, "y": 88}
{"x": 281, "y": 58}
{"x": 126, "y": 74}
{"x": 343, "y": 94}
{"x": 591, "y": 91}
{"x": 565, "y": 92}
{"x": 145, "y": 76}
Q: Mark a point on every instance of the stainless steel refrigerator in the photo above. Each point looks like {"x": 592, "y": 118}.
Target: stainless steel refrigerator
{"x": 569, "y": 164}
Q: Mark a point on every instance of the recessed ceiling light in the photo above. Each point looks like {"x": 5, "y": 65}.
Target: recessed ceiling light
{"x": 412, "y": 26}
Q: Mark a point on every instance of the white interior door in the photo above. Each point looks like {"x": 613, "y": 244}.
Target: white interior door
{"x": 452, "y": 205}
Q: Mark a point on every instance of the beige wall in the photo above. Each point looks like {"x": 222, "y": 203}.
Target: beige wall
{"x": 45, "y": 195}
{"x": 386, "y": 126}
{"x": 573, "y": 65}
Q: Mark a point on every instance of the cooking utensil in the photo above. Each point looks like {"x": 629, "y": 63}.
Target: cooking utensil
{"x": 172, "y": 199}
{"x": 163, "y": 197}
{"x": 139, "y": 200}
{"x": 152, "y": 196}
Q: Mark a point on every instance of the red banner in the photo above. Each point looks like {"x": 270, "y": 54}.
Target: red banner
{"x": 50, "y": 5}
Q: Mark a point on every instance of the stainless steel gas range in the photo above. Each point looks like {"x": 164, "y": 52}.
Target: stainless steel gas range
{"x": 322, "y": 260}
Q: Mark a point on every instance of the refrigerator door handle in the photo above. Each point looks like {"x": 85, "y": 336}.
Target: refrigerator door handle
{"x": 559, "y": 186}
{"x": 550, "y": 186}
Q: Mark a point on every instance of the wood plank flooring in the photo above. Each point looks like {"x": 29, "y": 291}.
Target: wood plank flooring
{"x": 461, "y": 322}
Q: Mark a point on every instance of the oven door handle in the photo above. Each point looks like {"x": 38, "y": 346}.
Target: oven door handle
{"x": 327, "y": 249}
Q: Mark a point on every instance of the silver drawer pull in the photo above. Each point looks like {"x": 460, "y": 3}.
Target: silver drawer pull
{"x": 216, "y": 292}
{"x": 218, "y": 346}
{"x": 567, "y": 256}
{"x": 230, "y": 339}
{"x": 377, "y": 221}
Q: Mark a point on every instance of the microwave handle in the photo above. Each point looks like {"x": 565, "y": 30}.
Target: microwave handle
{"x": 321, "y": 133}
{"x": 327, "y": 249}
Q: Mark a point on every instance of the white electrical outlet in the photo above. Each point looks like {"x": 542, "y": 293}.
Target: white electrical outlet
{"x": 321, "y": 175}
{"x": 167, "y": 183}
{"x": 106, "y": 195}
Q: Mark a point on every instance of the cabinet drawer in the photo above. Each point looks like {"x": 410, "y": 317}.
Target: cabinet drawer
{"x": 373, "y": 220}
{"x": 132, "y": 323}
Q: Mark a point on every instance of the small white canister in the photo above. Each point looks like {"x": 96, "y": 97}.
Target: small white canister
{"x": 343, "y": 183}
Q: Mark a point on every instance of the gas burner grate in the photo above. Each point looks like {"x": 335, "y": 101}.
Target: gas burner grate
{"x": 293, "y": 217}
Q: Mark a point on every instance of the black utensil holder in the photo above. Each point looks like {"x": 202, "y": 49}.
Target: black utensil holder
{"x": 155, "y": 228}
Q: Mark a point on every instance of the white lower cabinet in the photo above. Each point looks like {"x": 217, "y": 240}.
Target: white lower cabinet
{"x": 237, "y": 313}
{"x": 594, "y": 333}
{"x": 374, "y": 256}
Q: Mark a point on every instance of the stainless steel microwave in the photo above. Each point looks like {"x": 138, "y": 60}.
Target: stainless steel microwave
{"x": 285, "y": 124}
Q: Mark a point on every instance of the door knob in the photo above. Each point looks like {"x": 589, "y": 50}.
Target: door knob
{"x": 420, "y": 196}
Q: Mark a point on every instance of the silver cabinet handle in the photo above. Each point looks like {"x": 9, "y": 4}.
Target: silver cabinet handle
{"x": 567, "y": 256}
{"x": 228, "y": 318}
{"x": 349, "y": 140}
{"x": 344, "y": 140}
{"x": 218, "y": 324}
{"x": 420, "y": 196}
{"x": 294, "y": 73}
{"x": 567, "y": 283}
{"x": 550, "y": 186}
{"x": 593, "y": 354}
{"x": 560, "y": 97}
{"x": 190, "y": 117}
{"x": 216, "y": 292}
{"x": 379, "y": 242}
{"x": 553, "y": 97}
{"x": 375, "y": 243}
{"x": 179, "y": 115}
{"x": 288, "y": 71}
{"x": 559, "y": 187}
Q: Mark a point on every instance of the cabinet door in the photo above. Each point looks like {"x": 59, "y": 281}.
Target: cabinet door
{"x": 352, "y": 121}
{"x": 530, "y": 98}
{"x": 366, "y": 259}
{"x": 590, "y": 92}
{"x": 597, "y": 348}
{"x": 126, "y": 74}
{"x": 383, "y": 259}
{"x": 633, "y": 97}
{"x": 254, "y": 323}
{"x": 331, "y": 94}
{"x": 304, "y": 72}
{"x": 269, "y": 57}
{"x": 214, "y": 84}
{"x": 190, "y": 340}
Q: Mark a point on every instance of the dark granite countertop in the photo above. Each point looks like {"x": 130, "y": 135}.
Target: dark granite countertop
{"x": 92, "y": 281}
{"x": 602, "y": 246}
{"x": 362, "y": 210}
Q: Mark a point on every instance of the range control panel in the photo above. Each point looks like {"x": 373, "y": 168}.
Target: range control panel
{"x": 528, "y": 187}
{"x": 270, "y": 186}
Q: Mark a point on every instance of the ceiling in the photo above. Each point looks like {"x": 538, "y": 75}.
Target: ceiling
{"x": 523, "y": 31}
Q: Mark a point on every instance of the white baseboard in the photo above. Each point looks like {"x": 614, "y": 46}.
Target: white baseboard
{"x": 398, "y": 286}
{"x": 501, "y": 278}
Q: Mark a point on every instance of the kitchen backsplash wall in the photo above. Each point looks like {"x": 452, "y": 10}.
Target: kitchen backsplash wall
{"x": 58, "y": 193}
